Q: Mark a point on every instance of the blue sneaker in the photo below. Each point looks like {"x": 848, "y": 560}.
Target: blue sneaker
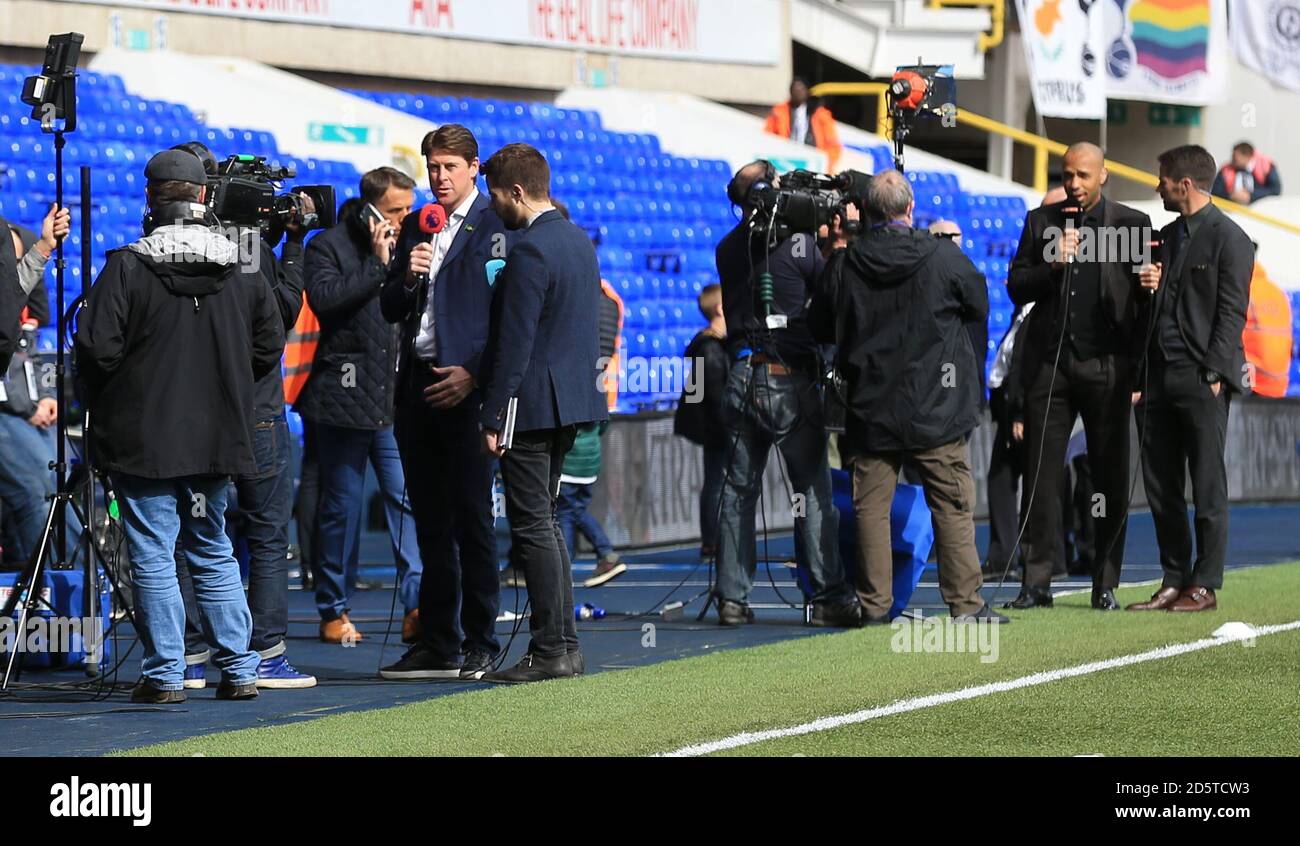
{"x": 195, "y": 676}
{"x": 278, "y": 674}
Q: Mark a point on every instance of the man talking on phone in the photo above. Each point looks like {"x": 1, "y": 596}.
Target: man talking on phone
{"x": 440, "y": 289}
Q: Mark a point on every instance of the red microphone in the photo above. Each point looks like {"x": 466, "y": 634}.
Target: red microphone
{"x": 433, "y": 219}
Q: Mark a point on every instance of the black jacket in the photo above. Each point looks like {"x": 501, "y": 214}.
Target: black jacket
{"x": 285, "y": 278}
{"x": 173, "y": 334}
{"x": 1032, "y": 279}
{"x": 701, "y": 422}
{"x": 903, "y": 299}
{"x": 12, "y": 298}
{"x": 1213, "y": 294}
{"x": 543, "y": 344}
{"x": 354, "y": 374}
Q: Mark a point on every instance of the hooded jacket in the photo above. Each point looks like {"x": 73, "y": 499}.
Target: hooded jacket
{"x": 173, "y": 334}
{"x": 898, "y": 302}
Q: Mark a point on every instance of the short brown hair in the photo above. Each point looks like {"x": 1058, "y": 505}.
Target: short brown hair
{"x": 1189, "y": 161}
{"x": 522, "y": 165}
{"x": 710, "y": 299}
{"x": 375, "y": 183}
{"x": 172, "y": 191}
{"x": 453, "y": 138}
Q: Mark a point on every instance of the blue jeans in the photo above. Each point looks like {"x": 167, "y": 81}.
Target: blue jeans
{"x": 343, "y": 456}
{"x": 261, "y": 518}
{"x": 572, "y": 515}
{"x": 26, "y": 481}
{"x": 155, "y": 513}
{"x": 763, "y": 411}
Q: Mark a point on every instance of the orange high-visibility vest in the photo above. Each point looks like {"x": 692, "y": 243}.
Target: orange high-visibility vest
{"x": 299, "y": 351}
{"x": 822, "y": 124}
{"x": 1267, "y": 336}
{"x": 612, "y": 369}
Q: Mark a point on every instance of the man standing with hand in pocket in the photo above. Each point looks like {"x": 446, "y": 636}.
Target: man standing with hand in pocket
{"x": 1195, "y": 359}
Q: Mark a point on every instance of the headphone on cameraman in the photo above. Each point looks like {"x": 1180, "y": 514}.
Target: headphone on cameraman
{"x": 184, "y": 210}
{"x": 733, "y": 187}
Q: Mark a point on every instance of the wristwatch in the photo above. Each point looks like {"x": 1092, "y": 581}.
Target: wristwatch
{"x": 1212, "y": 376}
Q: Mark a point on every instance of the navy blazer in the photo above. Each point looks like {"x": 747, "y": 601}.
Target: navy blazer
{"x": 544, "y": 346}
{"x": 462, "y": 291}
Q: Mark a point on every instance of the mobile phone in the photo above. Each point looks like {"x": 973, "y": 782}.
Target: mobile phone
{"x": 371, "y": 214}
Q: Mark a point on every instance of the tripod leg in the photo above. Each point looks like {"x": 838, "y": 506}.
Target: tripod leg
{"x": 27, "y": 590}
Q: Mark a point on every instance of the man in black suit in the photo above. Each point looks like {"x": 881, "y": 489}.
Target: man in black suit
{"x": 1080, "y": 271}
{"x": 440, "y": 289}
{"x": 1195, "y": 362}
{"x": 541, "y": 378}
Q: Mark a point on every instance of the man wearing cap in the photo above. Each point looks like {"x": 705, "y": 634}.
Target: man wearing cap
{"x": 172, "y": 335}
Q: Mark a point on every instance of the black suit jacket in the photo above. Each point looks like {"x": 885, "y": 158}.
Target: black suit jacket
{"x": 1213, "y": 292}
{"x": 543, "y": 344}
{"x": 1032, "y": 279}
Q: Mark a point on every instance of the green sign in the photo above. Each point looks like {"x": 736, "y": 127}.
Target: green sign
{"x": 1116, "y": 112}
{"x": 338, "y": 133}
{"x": 1164, "y": 114}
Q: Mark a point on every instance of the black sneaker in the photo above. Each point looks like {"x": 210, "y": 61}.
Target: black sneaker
{"x": 147, "y": 693}
{"x": 477, "y": 662}
{"x": 984, "y": 615}
{"x": 578, "y": 663}
{"x": 533, "y": 668}
{"x": 230, "y": 690}
{"x": 846, "y": 614}
{"x": 731, "y": 613}
{"x": 420, "y": 663}
{"x": 511, "y": 577}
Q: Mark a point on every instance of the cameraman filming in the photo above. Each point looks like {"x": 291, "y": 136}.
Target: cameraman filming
{"x": 262, "y": 503}
{"x": 771, "y": 400}
{"x": 171, "y": 338}
{"x": 897, "y": 301}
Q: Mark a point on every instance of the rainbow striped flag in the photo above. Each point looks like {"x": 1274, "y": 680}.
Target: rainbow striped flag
{"x": 1171, "y": 37}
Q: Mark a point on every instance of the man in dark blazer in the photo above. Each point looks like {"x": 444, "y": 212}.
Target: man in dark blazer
{"x": 541, "y": 379}
{"x": 1080, "y": 271}
{"x": 440, "y": 289}
{"x": 1195, "y": 363}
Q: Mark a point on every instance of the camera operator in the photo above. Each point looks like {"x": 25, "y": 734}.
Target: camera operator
{"x": 902, "y": 299}
{"x": 171, "y": 338}
{"x": 771, "y": 399}
{"x": 349, "y": 398}
{"x": 263, "y": 501}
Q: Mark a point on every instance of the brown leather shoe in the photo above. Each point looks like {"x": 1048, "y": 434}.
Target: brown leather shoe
{"x": 1195, "y": 599}
{"x": 411, "y": 627}
{"x": 340, "y": 630}
{"x": 1159, "y": 601}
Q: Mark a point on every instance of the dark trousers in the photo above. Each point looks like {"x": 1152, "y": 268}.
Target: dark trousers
{"x": 1184, "y": 428}
{"x": 715, "y": 472}
{"x": 531, "y": 472}
{"x": 1099, "y": 389}
{"x": 263, "y": 504}
{"x": 449, "y": 480}
{"x": 305, "y": 503}
{"x": 1006, "y": 466}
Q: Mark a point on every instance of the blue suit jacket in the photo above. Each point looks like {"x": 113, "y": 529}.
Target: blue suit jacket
{"x": 544, "y": 346}
{"x": 462, "y": 292}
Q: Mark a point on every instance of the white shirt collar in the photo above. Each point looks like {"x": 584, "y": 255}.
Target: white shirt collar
{"x": 462, "y": 211}
{"x": 533, "y": 217}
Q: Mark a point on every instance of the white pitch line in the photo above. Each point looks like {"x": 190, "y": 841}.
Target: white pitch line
{"x": 934, "y": 700}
